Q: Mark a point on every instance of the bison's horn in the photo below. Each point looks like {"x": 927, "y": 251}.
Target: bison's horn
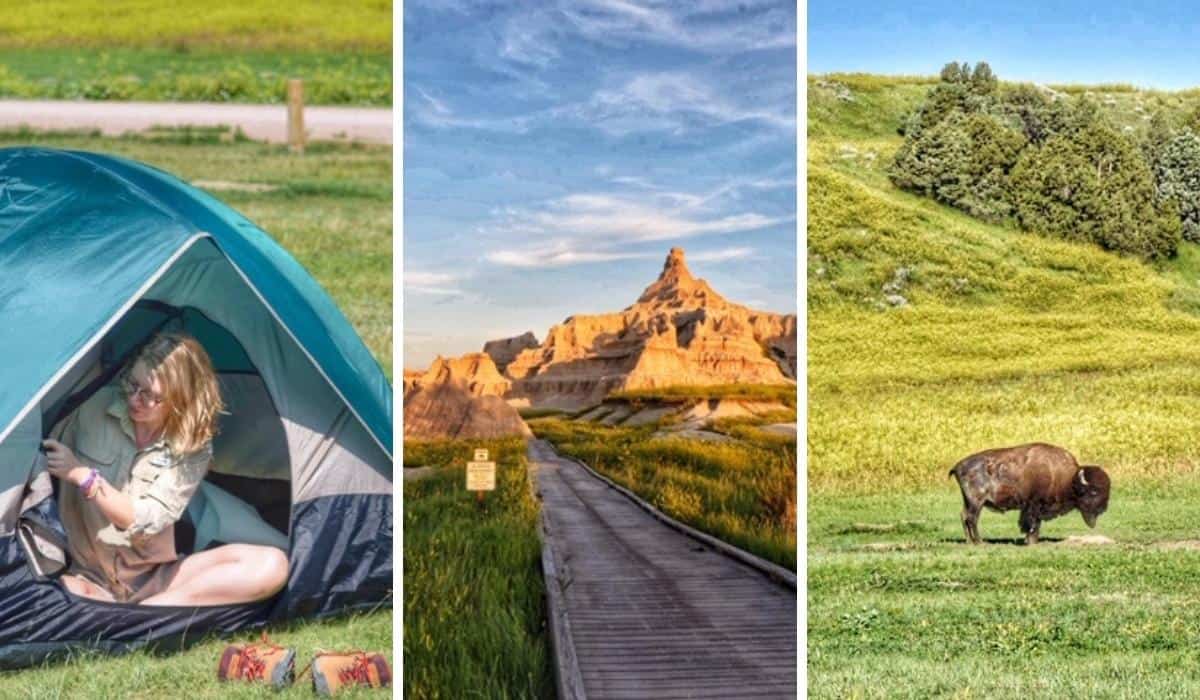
{"x": 1082, "y": 478}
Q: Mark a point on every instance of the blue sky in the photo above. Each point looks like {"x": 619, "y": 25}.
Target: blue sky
{"x": 555, "y": 151}
{"x": 1149, "y": 44}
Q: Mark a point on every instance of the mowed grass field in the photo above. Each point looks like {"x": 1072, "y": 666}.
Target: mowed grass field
{"x": 1008, "y": 337}
{"x": 332, "y": 210}
{"x": 221, "y": 51}
{"x": 473, "y": 613}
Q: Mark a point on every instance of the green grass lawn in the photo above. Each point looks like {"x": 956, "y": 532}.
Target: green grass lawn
{"x": 1007, "y": 337}
{"x": 473, "y": 612}
{"x": 193, "y": 673}
{"x": 220, "y": 51}
{"x": 742, "y": 492}
{"x": 332, "y": 210}
{"x": 262, "y": 24}
{"x": 899, "y": 606}
{"x": 195, "y": 75}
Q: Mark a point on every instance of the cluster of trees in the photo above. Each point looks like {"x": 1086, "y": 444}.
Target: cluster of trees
{"x": 1052, "y": 163}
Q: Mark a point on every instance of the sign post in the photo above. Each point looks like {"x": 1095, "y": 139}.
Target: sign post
{"x": 481, "y": 475}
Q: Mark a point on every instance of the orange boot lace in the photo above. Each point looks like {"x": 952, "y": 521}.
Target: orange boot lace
{"x": 253, "y": 668}
{"x": 358, "y": 673}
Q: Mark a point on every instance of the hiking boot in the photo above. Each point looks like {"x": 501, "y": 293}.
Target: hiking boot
{"x": 263, "y": 661}
{"x": 333, "y": 671}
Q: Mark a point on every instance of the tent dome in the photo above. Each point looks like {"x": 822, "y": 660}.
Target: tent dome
{"x": 98, "y": 253}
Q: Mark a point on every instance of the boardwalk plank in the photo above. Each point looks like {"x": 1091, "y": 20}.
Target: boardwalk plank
{"x": 653, "y": 612}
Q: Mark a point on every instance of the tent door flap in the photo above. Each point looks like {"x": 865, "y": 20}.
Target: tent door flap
{"x": 45, "y": 548}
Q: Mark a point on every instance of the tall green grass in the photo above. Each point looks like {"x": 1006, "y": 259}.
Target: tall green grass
{"x": 473, "y": 611}
{"x": 741, "y": 492}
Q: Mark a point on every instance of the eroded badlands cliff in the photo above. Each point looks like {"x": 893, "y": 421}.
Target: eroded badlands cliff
{"x": 459, "y": 398}
{"x": 679, "y": 332}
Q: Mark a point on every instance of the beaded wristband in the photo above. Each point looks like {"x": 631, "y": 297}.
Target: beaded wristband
{"x": 86, "y": 487}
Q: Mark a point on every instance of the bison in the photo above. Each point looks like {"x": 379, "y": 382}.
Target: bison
{"x": 1042, "y": 481}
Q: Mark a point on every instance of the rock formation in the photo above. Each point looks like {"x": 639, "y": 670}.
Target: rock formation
{"x": 503, "y": 351}
{"x": 680, "y": 331}
{"x": 459, "y": 398}
{"x": 448, "y": 411}
{"x": 474, "y": 371}
{"x": 411, "y": 377}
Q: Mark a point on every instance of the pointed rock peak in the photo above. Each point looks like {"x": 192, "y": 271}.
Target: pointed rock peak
{"x": 676, "y": 286}
{"x": 676, "y": 266}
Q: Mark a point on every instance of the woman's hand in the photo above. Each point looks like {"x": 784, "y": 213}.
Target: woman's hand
{"x": 62, "y": 463}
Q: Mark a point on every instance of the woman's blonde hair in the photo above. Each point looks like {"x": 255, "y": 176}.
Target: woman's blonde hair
{"x": 190, "y": 390}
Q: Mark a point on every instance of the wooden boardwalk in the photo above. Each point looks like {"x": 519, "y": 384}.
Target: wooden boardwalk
{"x": 651, "y": 612}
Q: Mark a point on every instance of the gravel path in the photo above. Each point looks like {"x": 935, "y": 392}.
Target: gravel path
{"x": 259, "y": 122}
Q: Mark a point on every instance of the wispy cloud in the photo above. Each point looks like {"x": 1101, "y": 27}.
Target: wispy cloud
{"x": 564, "y": 253}
{"x": 434, "y": 283}
{"x": 590, "y": 227}
{"x": 622, "y": 218}
{"x": 721, "y": 255}
{"x": 530, "y": 40}
{"x": 699, "y": 26}
{"x": 435, "y": 104}
{"x": 559, "y": 253}
{"x": 675, "y": 101}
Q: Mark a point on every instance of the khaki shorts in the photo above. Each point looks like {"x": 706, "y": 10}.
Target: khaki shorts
{"x": 155, "y": 581}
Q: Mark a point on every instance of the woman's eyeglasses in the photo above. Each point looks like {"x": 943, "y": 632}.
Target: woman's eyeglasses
{"x": 131, "y": 390}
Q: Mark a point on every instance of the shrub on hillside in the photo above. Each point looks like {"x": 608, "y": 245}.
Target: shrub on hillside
{"x": 1039, "y": 114}
{"x": 1177, "y": 179}
{"x": 1090, "y": 183}
{"x": 961, "y": 90}
{"x": 1055, "y": 163}
{"x": 963, "y": 161}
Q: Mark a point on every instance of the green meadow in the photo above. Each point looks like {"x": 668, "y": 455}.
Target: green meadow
{"x": 473, "y": 591}
{"x": 783, "y": 393}
{"x": 331, "y": 208}
{"x": 1003, "y": 337}
{"x": 224, "y": 51}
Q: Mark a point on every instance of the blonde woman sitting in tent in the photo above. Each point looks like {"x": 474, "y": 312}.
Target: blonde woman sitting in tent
{"x": 129, "y": 461}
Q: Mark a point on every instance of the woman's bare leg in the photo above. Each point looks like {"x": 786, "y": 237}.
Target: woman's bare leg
{"x": 84, "y": 588}
{"x": 232, "y": 573}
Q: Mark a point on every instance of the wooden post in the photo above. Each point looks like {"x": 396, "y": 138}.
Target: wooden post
{"x": 295, "y": 95}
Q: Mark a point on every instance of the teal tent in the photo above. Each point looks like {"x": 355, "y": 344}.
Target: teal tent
{"x": 97, "y": 253}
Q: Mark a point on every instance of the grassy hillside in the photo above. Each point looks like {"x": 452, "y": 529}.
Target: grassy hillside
{"x": 1005, "y": 337}
{"x": 932, "y": 335}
